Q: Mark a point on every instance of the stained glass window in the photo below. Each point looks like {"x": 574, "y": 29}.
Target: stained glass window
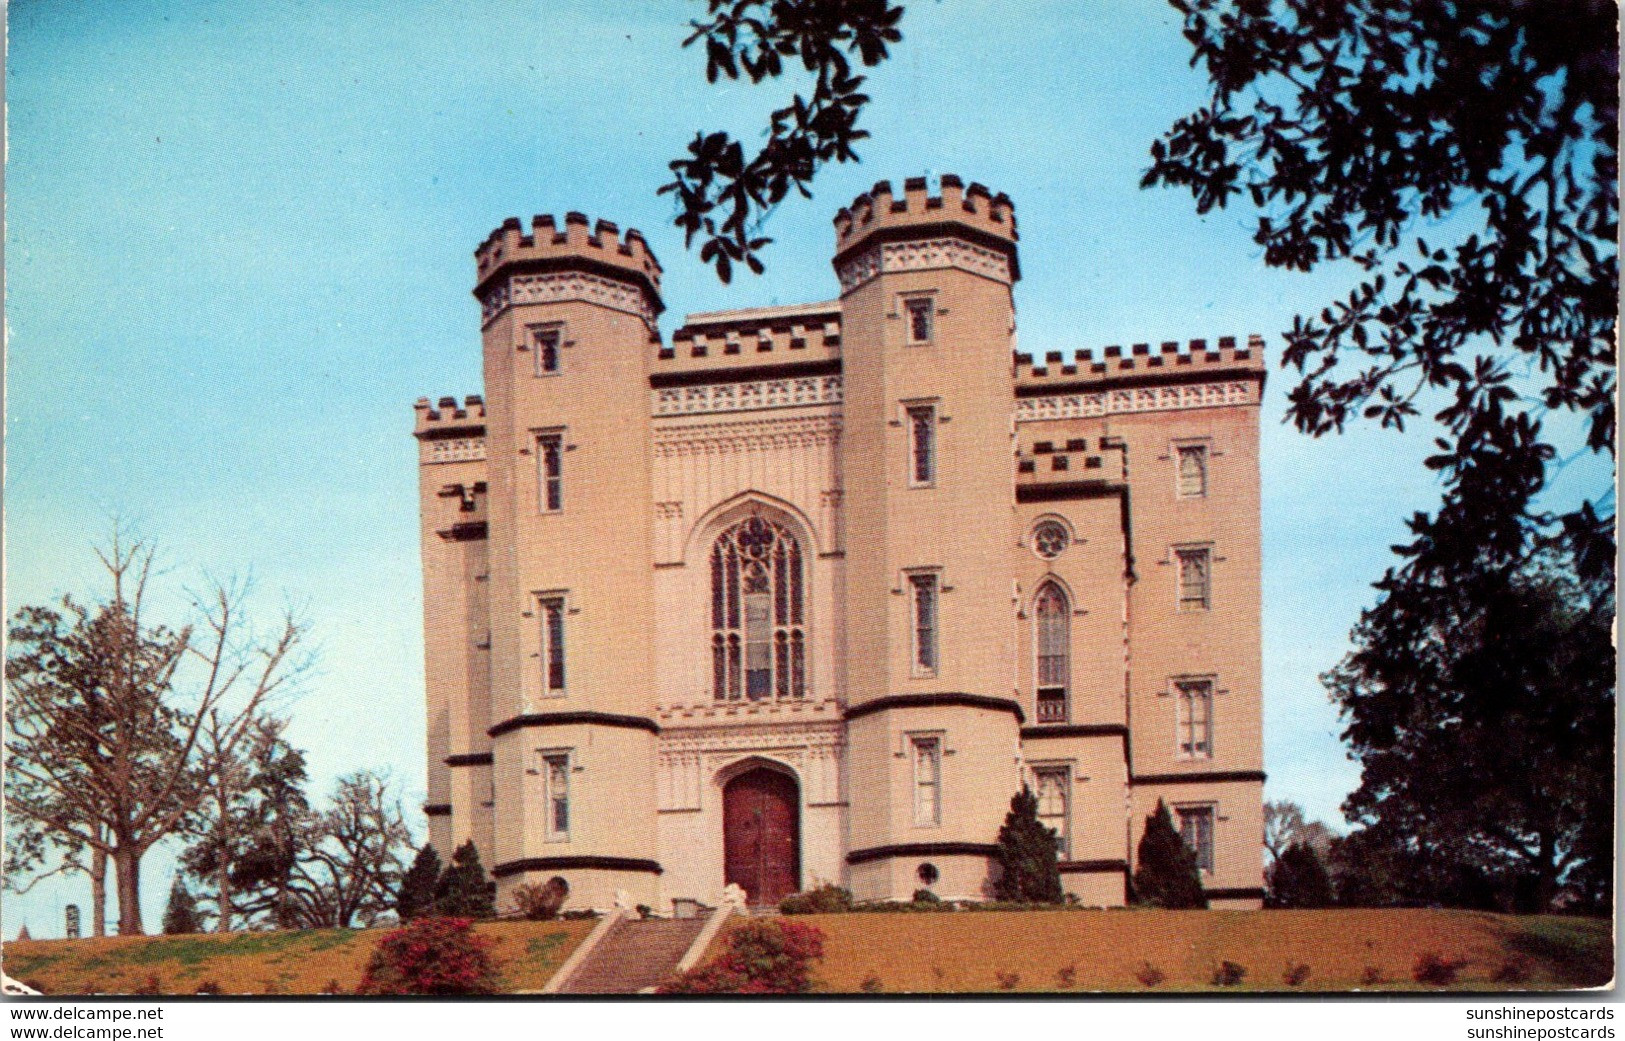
{"x": 757, "y": 615}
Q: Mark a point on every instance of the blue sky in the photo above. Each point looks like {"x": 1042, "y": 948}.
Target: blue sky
{"x": 239, "y": 246}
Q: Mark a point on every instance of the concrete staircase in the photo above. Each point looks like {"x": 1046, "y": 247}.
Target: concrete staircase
{"x": 634, "y": 955}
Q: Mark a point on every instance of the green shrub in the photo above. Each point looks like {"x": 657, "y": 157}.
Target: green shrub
{"x": 1166, "y": 873}
{"x": 1513, "y": 970}
{"x": 1028, "y": 862}
{"x": 925, "y": 896}
{"x": 825, "y": 899}
{"x": 872, "y": 985}
{"x": 1008, "y": 980}
{"x": 1293, "y": 975}
{"x": 416, "y": 896}
{"x": 1229, "y": 974}
{"x": 463, "y": 890}
{"x": 1299, "y": 879}
{"x": 540, "y": 902}
{"x": 1149, "y": 975}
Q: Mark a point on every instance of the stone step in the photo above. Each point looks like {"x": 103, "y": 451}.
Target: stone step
{"x": 634, "y": 955}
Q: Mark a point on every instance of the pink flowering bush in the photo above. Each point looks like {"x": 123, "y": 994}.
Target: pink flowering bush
{"x": 431, "y": 956}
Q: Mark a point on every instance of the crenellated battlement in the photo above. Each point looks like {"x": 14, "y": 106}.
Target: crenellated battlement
{"x": 582, "y": 261}
{"x": 754, "y": 337}
{"x": 966, "y": 228}
{"x": 1139, "y": 364}
{"x": 447, "y": 414}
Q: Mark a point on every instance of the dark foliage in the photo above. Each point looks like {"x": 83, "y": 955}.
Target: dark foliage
{"x": 463, "y": 890}
{"x": 416, "y": 897}
{"x": 1165, "y": 872}
{"x": 1229, "y": 974}
{"x": 722, "y": 195}
{"x": 1149, "y": 975}
{"x": 1295, "y": 974}
{"x": 440, "y": 956}
{"x": 763, "y": 957}
{"x": 825, "y": 899}
{"x": 1348, "y": 125}
{"x": 541, "y": 901}
{"x": 1027, "y": 855}
{"x": 1480, "y": 704}
{"x": 1433, "y": 969}
{"x": 1299, "y": 879}
{"x": 180, "y": 915}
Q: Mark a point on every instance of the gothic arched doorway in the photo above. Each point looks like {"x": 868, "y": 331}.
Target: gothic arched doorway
{"x": 761, "y": 834}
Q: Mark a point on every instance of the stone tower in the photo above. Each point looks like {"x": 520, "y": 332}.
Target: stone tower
{"x": 569, "y": 319}
{"x": 933, "y": 732}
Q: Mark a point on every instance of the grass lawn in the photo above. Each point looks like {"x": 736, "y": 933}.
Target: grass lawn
{"x": 1051, "y": 951}
{"x": 293, "y": 962}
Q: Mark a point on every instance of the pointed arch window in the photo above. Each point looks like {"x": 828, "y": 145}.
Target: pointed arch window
{"x": 758, "y": 626}
{"x": 1054, "y": 637}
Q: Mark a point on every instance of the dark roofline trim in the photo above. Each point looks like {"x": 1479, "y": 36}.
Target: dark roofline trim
{"x": 946, "y": 700}
{"x": 722, "y": 374}
{"x": 1092, "y": 867}
{"x": 1074, "y": 730}
{"x": 565, "y": 719}
{"x": 923, "y": 849}
{"x": 584, "y": 863}
{"x": 437, "y": 809}
{"x": 452, "y": 429}
{"x": 1068, "y": 490}
{"x": 1199, "y": 777}
{"x": 469, "y": 759}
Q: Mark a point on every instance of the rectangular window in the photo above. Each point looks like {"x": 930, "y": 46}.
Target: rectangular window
{"x": 927, "y": 781}
{"x": 550, "y": 471}
{"x": 556, "y": 797}
{"x": 922, "y": 444}
{"x": 1054, "y": 794}
{"x": 553, "y": 645}
{"x": 1196, "y": 828}
{"x": 1194, "y": 718}
{"x": 1195, "y": 570}
{"x": 920, "y": 310}
{"x": 1192, "y": 461}
{"x": 925, "y": 623}
{"x": 546, "y": 341}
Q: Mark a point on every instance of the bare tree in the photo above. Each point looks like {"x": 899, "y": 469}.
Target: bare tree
{"x": 353, "y": 858}
{"x": 1285, "y": 824}
{"x": 105, "y": 714}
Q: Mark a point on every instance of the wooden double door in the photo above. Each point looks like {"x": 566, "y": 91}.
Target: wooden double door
{"x": 761, "y": 834}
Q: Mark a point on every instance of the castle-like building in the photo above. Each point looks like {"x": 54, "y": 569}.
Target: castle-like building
{"x": 808, "y": 593}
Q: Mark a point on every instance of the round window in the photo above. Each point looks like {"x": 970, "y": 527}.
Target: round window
{"x": 1050, "y": 539}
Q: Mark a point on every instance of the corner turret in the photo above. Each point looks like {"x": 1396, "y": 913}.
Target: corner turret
{"x": 968, "y": 228}
{"x": 513, "y": 267}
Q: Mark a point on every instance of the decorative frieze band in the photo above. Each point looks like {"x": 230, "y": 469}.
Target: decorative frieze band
{"x": 748, "y": 396}
{"x": 454, "y": 450}
{"x": 923, "y": 255}
{"x": 758, "y": 435}
{"x": 1137, "y": 399}
{"x": 558, "y": 286}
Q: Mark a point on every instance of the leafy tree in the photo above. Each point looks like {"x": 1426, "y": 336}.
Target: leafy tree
{"x": 1480, "y": 705}
{"x": 416, "y": 897}
{"x": 1357, "y": 126}
{"x": 1165, "y": 872}
{"x": 350, "y": 858}
{"x": 1027, "y": 855}
{"x": 463, "y": 890}
{"x": 723, "y": 195}
{"x": 181, "y": 915}
{"x": 253, "y": 803}
{"x": 105, "y": 714}
{"x": 1299, "y": 879}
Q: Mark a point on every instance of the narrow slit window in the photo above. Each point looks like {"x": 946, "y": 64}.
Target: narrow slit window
{"x": 1192, "y": 471}
{"x": 1196, "y": 828}
{"x": 556, "y": 777}
{"x": 921, "y": 311}
{"x": 927, "y": 781}
{"x": 922, "y": 427}
{"x": 1195, "y": 578}
{"x": 546, "y": 344}
{"x": 1195, "y": 718}
{"x": 1053, "y": 796}
{"x": 550, "y": 470}
{"x": 925, "y": 623}
{"x": 553, "y": 645}
{"x": 1054, "y": 634}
